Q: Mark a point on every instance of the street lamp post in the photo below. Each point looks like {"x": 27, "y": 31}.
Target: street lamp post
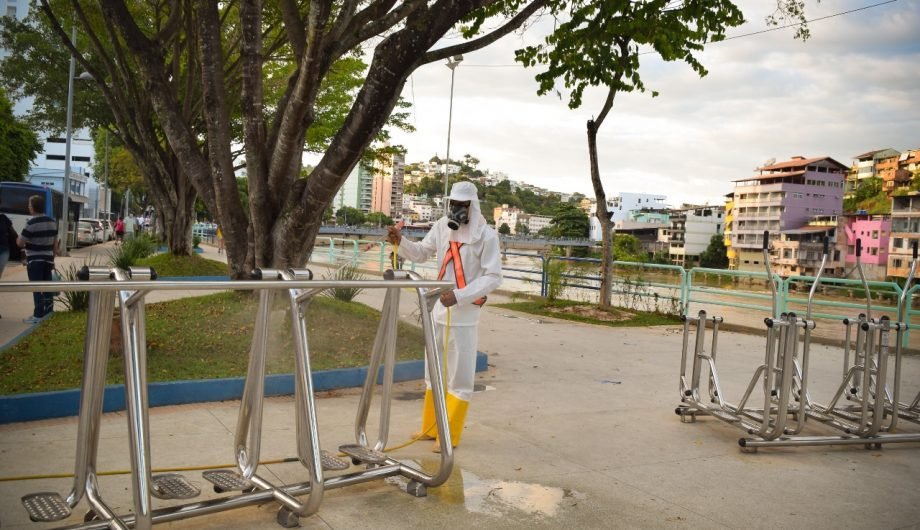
{"x": 62, "y": 228}
{"x": 452, "y": 63}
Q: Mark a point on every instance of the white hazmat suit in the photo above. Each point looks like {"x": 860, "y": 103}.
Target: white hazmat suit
{"x": 470, "y": 257}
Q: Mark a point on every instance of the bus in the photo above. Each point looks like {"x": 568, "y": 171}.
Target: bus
{"x": 14, "y": 202}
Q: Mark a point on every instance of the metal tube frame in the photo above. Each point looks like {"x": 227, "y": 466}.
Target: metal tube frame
{"x": 130, "y": 288}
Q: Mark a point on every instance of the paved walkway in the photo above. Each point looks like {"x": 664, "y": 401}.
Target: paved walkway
{"x": 574, "y": 427}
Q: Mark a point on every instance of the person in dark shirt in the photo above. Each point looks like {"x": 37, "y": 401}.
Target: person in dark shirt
{"x": 39, "y": 238}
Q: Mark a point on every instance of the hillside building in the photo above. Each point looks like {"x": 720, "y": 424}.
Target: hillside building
{"x": 783, "y": 196}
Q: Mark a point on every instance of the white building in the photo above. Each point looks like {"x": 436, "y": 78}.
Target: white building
{"x": 357, "y": 190}
{"x": 691, "y": 230}
{"x": 420, "y": 207}
{"x": 535, "y": 223}
{"x": 508, "y": 215}
{"x": 620, "y": 207}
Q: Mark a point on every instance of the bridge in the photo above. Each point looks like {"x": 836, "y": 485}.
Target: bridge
{"x": 515, "y": 242}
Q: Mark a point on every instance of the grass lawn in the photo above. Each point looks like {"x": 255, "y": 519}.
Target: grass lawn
{"x": 167, "y": 264}
{"x": 591, "y": 314}
{"x": 204, "y": 337}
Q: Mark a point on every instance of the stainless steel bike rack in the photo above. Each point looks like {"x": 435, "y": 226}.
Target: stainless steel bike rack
{"x": 908, "y": 411}
{"x": 131, "y": 288}
{"x": 871, "y": 418}
{"x": 781, "y": 376}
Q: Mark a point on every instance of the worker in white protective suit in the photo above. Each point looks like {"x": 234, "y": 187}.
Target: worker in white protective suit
{"x": 468, "y": 254}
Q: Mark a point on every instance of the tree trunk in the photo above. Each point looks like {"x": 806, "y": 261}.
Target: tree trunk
{"x": 603, "y": 218}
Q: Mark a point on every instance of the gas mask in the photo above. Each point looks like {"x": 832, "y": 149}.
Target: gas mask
{"x": 458, "y": 214}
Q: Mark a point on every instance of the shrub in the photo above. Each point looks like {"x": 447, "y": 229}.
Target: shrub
{"x": 196, "y": 240}
{"x": 555, "y": 279}
{"x": 131, "y": 251}
{"x": 346, "y": 272}
{"x": 74, "y": 300}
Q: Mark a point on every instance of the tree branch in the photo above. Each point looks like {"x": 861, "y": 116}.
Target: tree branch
{"x": 476, "y": 44}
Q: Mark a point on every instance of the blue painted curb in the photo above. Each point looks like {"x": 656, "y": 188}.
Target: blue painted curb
{"x": 44, "y": 405}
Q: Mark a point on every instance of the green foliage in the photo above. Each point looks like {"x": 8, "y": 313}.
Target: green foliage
{"x": 19, "y": 145}
{"x": 349, "y": 216}
{"x": 555, "y": 279}
{"x": 346, "y": 272}
{"x": 598, "y": 42}
{"x": 715, "y": 256}
{"x": 168, "y": 264}
{"x": 378, "y": 219}
{"x": 569, "y": 221}
{"x": 627, "y": 247}
{"x": 521, "y": 228}
{"x": 491, "y": 197}
{"x": 196, "y": 241}
{"x": 36, "y": 65}
{"x": 661, "y": 257}
{"x": 504, "y": 229}
{"x": 868, "y": 196}
{"x": 75, "y": 300}
{"x": 132, "y": 250}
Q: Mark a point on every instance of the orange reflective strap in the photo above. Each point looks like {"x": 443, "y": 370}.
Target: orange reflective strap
{"x": 453, "y": 255}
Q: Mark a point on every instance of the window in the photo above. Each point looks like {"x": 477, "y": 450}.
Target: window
{"x": 55, "y": 157}
{"x": 897, "y": 263}
{"x": 55, "y": 140}
{"x": 873, "y": 251}
{"x": 80, "y": 158}
{"x": 11, "y": 11}
{"x": 875, "y": 234}
{"x": 898, "y": 242}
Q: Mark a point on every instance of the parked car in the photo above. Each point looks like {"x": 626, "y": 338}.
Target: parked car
{"x": 98, "y": 229}
{"x": 107, "y": 228}
{"x": 86, "y": 233}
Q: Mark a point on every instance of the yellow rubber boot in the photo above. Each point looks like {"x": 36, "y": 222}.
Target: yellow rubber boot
{"x": 456, "y": 416}
{"x": 429, "y": 428}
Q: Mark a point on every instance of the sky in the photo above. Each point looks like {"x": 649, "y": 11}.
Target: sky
{"x": 853, "y": 87}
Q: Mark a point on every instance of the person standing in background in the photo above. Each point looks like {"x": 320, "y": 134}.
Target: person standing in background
{"x": 9, "y": 249}
{"x": 39, "y": 238}
{"x": 130, "y": 226}
{"x": 220, "y": 241}
{"x": 119, "y": 230}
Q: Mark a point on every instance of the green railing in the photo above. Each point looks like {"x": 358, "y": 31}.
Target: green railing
{"x": 700, "y": 280}
{"x": 835, "y": 299}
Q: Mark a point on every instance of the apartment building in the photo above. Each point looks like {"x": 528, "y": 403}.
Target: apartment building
{"x": 905, "y": 231}
{"x": 907, "y": 164}
{"x": 508, "y": 215}
{"x": 866, "y": 166}
{"x": 691, "y": 230}
{"x": 783, "y": 196}
{"x": 874, "y": 233}
{"x": 730, "y": 251}
{"x": 535, "y": 223}
{"x": 387, "y": 185}
{"x": 418, "y": 208}
{"x": 357, "y": 190}
{"x": 799, "y": 251}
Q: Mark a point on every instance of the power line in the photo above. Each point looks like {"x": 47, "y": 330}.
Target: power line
{"x": 751, "y": 34}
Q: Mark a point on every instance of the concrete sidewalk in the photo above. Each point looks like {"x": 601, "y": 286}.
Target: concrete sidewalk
{"x": 574, "y": 428}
